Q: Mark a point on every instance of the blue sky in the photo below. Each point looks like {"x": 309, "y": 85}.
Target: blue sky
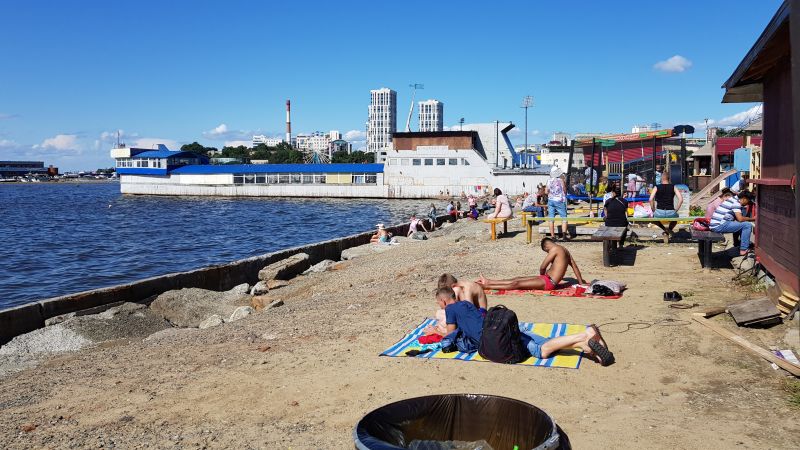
{"x": 72, "y": 73}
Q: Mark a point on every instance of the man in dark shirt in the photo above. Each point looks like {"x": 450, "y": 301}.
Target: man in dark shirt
{"x": 616, "y": 214}
{"x": 464, "y": 321}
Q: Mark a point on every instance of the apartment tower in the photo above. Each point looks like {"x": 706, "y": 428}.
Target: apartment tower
{"x": 431, "y": 115}
{"x": 382, "y": 121}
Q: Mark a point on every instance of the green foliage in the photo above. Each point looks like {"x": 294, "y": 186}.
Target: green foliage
{"x": 696, "y": 211}
{"x": 357, "y": 157}
{"x": 286, "y": 155}
{"x": 195, "y": 147}
{"x": 792, "y": 388}
{"x": 241, "y": 152}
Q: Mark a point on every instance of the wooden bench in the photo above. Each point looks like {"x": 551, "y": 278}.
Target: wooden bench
{"x": 608, "y": 235}
{"x": 704, "y": 240}
{"x": 494, "y": 222}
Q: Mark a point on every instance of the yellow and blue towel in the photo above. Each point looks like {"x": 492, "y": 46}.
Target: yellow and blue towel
{"x": 568, "y": 359}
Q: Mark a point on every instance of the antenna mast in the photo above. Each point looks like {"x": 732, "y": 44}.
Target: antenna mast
{"x": 414, "y": 88}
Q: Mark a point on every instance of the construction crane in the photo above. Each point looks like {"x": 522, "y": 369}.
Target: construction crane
{"x": 414, "y": 88}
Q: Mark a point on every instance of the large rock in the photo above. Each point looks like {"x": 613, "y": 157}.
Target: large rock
{"x": 260, "y": 288}
{"x": 364, "y": 250}
{"x": 188, "y": 307}
{"x": 240, "y": 289}
{"x": 275, "y": 284}
{"x": 321, "y": 266}
{"x": 213, "y": 321}
{"x": 240, "y": 313}
{"x": 285, "y": 269}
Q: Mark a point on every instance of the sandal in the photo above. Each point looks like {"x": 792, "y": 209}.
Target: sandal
{"x": 673, "y": 296}
{"x": 603, "y": 354}
{"x": 417, "y": 352}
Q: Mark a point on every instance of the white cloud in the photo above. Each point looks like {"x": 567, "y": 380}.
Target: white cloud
{"x": 735, "y": 120}
{"x": 153, "y": 143}
{"x": 221, "y": 133}
{"x": 7, "y": 143}
{"x": 355, "y": 135}
{"x": 676, "y": 63}
{"x": 60, "y": 142}
{"x": 236, "y": 143}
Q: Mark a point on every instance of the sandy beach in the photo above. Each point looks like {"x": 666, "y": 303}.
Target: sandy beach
{"x": 301, "y": 375}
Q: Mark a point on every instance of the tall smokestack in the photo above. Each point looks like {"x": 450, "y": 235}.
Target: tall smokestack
{"x": 288, "y": 122}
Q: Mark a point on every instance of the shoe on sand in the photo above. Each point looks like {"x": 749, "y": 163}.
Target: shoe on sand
{"x": 603, "y": 354}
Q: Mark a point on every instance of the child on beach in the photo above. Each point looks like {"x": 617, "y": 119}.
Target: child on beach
{"x": 432, "y": 216}
{"x": 463, "y": 322}
{"x": 412, "y": 227}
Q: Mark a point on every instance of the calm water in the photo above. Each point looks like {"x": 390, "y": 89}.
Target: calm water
{"x": 60, "y": 238}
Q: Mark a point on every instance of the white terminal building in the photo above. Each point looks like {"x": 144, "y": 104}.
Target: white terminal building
{"x": 381, "y": 122}
{"x": 431, "y": 115}
{"x": 268, "y": 141}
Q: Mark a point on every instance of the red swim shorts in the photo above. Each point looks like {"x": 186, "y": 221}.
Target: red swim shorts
{"x": 548, "y": 283}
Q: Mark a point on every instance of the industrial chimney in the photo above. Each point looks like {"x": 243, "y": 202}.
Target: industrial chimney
{"x": 288, "y": 122}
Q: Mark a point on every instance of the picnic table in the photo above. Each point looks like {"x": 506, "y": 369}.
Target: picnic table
{"x": 530, "y": 221}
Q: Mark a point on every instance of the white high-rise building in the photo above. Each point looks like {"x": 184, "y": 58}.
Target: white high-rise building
{"x": 268, "y": 141}
{"x": 335, "y": 135}
{"x": 382, "y": 121}
{"x": 431, "y": 115}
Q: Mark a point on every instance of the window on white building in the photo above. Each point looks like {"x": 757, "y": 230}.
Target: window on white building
{"x": 261, "y": 179}
{"x": 440, "y": 161}
{"x": 464, "y": 161}
{"x": 405, "y": 161}
{"x": 308, "y": 179}
{"x": 428, "y": 161}
{"x": 393, "y": 161}
{"x": 452, "y": 161}
{"x": 417, "y": 162}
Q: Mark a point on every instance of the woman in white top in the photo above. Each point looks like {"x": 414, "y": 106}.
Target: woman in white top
{"x": 502, "y": 208}
{"x": 557, "y": 201}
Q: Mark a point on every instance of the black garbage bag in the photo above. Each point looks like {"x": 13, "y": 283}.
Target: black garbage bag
{"x": 502, "y": 422}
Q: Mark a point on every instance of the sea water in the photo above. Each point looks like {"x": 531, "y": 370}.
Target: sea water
{"x": 61, "y": 238}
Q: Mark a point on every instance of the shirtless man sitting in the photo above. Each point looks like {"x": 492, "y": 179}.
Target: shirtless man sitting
{"x": 551, "y": 272}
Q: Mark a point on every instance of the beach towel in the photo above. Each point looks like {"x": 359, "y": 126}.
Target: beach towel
{"x": 562, "y": 290}
{"x": 569, "y": 359}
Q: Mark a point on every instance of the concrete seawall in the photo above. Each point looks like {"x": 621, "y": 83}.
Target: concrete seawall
{"x": 25, "y": 318}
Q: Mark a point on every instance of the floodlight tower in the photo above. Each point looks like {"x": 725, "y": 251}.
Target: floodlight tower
{"x": 527, "y": 102}
{"x": 414, "y": 88}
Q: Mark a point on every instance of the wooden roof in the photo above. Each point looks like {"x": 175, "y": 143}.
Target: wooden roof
{"x": 745, "y": 84}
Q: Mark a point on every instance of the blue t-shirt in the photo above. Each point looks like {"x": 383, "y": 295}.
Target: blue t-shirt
{"x": 466, "y": 317}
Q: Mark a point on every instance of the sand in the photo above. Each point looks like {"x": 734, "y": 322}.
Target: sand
{"x": 301, "y": 375}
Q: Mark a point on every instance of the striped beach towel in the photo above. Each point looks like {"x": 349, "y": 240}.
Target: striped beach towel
{"x": 568, "y": 359}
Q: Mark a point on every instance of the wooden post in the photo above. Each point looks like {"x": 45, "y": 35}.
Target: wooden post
{"x": 591, "y": 177}
{"x": 569, "y": 164}
{"x": 684, "y": 163}
{"x": 654, "y": 160}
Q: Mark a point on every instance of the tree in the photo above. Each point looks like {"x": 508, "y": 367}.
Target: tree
{"x": 197, "y": 148}
{"x": 286, "y": 155}
{"x": 261, "y": 151}
{"x": 240, "y": 152}
{"x": 357, "y": 157}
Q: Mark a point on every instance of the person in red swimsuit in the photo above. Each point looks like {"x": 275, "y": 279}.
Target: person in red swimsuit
{"x": 551, "y": 272}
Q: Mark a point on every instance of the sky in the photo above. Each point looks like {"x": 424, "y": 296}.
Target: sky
{"x": 73, "y": 74}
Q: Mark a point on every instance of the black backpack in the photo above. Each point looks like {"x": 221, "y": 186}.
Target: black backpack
{"x": 501, "y": 341}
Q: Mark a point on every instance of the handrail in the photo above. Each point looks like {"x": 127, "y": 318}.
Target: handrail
{"x": 703, "y": 194}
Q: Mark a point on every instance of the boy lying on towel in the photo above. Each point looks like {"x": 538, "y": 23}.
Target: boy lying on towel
{"x": 465, "y": 326}
{"x": 551, "y": 272}
{"x": 468, "y": 291}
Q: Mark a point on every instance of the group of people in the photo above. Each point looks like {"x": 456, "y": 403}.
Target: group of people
{"x": 462, "y": 306}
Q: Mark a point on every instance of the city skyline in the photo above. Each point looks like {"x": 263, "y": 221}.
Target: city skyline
{"x": 71, "y": 89}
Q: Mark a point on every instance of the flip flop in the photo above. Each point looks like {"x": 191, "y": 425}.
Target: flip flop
{"x": 673, "y": 296}
{"x": 605, "y": 356}
{"x": 417, "y": 352}
{"x": 599, "y": 336}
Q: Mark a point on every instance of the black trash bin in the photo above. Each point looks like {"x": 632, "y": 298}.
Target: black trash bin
{"x": 500, "y": 421}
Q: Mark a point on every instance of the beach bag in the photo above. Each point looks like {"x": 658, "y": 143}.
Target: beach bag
{"x": 501, "y": 341}
{"x": 642, "y": 211}
{"x": 701, "y": 224}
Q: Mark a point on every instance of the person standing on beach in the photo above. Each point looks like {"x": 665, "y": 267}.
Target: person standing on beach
{"x": 432, "y": 216}
{"x": 557, "y": 201}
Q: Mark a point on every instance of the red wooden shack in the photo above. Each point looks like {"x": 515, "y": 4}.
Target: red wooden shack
{"x": 770, "y": 73}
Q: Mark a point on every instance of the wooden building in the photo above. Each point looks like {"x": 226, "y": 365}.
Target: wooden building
{"x": 770, "y": 73}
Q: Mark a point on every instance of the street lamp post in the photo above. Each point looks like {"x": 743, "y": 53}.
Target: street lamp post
{"x": 527, "y": 102}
